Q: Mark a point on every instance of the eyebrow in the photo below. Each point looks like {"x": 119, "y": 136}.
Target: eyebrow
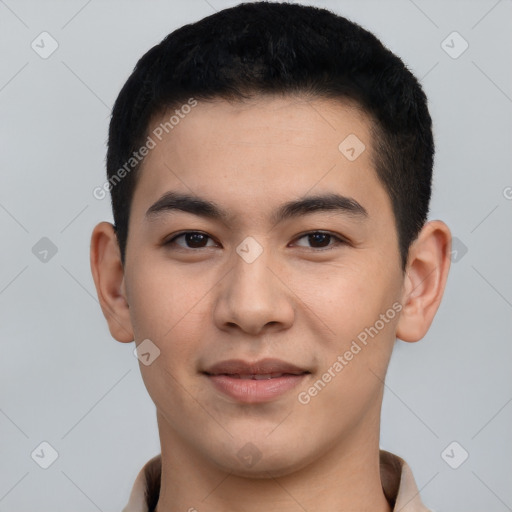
{"x": 339, "y": 204}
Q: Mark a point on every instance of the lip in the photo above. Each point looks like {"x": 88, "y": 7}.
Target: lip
{"x": 255, "y": 382}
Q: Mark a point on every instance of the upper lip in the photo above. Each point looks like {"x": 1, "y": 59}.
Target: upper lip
{"x": 261, "y": 367}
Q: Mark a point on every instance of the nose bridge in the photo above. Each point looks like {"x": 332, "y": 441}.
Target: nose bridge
{"x": 251, "y": 278}
{"x": 251, "y": 296}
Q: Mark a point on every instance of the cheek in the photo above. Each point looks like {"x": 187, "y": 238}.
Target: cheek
{"x": 347, "y": 298}
{"x": 353, "y": 363}
{"x": 168, "y": 310}
{"x": 166, "y": 306}
{"x": 357, "y": 306}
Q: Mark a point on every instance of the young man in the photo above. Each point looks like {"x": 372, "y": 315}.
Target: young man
{"x": 270, "y": 169}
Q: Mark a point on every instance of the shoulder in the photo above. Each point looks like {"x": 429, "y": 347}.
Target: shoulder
{"x": 399, "y": 484}
{"x": 146, "y": 488}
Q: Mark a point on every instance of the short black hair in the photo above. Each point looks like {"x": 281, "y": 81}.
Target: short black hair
{"x": 261, "y": 48}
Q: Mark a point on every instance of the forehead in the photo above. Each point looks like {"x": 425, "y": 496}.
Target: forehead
{"x": 292, "y": 122}
{"x": 260, "y": 151}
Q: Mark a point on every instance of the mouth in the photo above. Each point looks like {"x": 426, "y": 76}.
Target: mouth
{"x": 255, "y": 376}
{"x": 257, "y": 382}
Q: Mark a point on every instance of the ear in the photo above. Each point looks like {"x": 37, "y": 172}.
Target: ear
{"x": 426, "y": 274}
{"x": 108, "y": 273}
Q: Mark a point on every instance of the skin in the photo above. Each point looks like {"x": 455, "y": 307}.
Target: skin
{"x": 297, "y": 302}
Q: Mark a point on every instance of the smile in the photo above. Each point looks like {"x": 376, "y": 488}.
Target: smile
{"x": 257, "y": 382}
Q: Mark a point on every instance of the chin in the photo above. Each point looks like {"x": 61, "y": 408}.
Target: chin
{"x": 260, "y": 458}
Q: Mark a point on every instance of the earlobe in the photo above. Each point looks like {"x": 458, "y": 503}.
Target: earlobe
{"x": 108, "y": 275}
{"x": 426, "y": 275}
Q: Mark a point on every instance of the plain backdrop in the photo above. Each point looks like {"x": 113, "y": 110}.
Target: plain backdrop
{"x": 66, "y": 382}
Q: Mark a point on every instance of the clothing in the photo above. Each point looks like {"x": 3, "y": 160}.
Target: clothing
{"x": 397, "y": 482}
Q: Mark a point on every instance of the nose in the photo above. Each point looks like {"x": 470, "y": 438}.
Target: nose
{"x": 254, "y": 298}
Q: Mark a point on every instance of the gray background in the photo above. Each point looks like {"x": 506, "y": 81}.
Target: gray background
{"x": 65, "y": 381}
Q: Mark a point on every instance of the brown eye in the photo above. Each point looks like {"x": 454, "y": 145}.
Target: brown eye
{"x": 191, "y": 240}
{"x": 320, "y": 240}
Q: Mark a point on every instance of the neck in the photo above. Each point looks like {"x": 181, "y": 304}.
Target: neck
{"x": 346, "y": 478}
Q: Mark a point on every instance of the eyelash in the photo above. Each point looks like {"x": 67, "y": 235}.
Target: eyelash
{"x": 339, "y": 240}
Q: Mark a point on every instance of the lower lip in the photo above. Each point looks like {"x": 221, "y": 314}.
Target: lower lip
{"x": 255, "y": 391}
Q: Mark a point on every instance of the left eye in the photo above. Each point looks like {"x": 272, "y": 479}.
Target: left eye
{"x": 193, "y": 240}
{"x": 320, "y": 240}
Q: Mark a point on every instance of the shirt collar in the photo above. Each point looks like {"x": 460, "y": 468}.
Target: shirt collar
{"x": 397, "y": 482}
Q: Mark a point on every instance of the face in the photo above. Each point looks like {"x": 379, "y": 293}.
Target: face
{"x": 262, "y": 262}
